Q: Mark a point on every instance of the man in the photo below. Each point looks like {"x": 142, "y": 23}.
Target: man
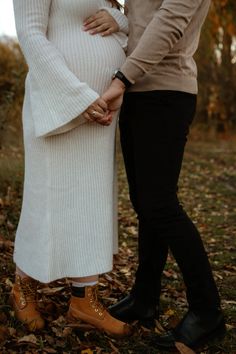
{"x": 160, "y": 79}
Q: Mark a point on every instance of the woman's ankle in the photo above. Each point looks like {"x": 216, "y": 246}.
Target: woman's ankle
{"x": 82, "y": 282}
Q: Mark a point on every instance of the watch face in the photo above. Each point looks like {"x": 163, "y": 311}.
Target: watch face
{"x": 114, "y": 75}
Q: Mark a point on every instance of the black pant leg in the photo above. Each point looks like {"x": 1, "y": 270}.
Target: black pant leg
{"x": 147, "y": 286}
{"x": 154, "y": 127}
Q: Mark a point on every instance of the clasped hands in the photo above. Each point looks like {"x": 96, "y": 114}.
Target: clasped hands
{"x": 98, "y": 112}
{"x": 104, "y": 108}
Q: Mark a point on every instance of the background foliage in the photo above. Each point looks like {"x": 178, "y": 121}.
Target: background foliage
{"x": 12, "y": 74}
{"x": 216, "y": 59}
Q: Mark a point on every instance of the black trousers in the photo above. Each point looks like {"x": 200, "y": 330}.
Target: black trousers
{"x": 154, "y": 127}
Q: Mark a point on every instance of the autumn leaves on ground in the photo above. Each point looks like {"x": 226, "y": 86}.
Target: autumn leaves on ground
{"x": 208, "y": 192}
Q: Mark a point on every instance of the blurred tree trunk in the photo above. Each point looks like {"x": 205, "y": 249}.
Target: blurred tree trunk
{"x": 227, "y": 84}
{"x": 217, "y": 68}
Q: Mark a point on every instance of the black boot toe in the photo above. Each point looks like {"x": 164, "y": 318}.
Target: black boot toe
{"x": 194, "y": 331}
{"x": 131, "y": 309}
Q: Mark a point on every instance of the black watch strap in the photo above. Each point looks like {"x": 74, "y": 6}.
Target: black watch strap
{"x": 119, "y": 75}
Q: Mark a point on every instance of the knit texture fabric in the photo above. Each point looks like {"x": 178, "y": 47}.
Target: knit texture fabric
{"x": 163, "y": 38}
{"x": 67, "y": 226}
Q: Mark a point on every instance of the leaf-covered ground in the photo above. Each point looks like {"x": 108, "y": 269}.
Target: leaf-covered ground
{"x": 208, "y": 191}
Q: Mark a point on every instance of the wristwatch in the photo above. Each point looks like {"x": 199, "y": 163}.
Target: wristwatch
{"x": 119, "y": 75}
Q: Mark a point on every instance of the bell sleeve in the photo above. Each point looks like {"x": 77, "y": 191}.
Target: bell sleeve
{"x": 57, "y": 95}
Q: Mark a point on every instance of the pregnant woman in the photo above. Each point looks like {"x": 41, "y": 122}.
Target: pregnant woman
{"x": 68, "y": 225}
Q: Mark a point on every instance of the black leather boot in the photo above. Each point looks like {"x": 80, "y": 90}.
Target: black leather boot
{"x": 130, "y": 309}
{"x": 194, "y": 330}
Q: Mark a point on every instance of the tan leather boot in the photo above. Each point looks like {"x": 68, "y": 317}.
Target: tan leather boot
{"x": 88, "y": 309}
{"x": 24, "y": 301}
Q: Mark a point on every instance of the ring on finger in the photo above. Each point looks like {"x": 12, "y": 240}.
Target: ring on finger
{"x": 94, "y": 113}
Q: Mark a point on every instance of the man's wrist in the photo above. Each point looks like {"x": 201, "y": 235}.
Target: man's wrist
{"x": 121, "y": 77}
{"x": 118, "y": 83}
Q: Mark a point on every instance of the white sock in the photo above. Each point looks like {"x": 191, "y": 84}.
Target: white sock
{"x": 77, "y": 284}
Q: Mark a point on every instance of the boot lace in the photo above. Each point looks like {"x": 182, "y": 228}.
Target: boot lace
{"x": 29, "y": 290}
{"x": 96, "y": 304}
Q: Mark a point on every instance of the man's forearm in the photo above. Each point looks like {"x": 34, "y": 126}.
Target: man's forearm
{"x": 163, "y": 32}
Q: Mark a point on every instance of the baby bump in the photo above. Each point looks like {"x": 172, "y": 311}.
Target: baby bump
{"x": 93, "y": 59}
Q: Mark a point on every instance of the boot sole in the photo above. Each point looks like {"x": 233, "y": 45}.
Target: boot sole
{"x": 71, "y": 320}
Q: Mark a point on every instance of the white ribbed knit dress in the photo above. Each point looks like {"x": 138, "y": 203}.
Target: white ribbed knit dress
{"x": 68, "y": 223}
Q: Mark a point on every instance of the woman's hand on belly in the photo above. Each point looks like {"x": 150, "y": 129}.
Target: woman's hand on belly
{"x": 101, "y": 23}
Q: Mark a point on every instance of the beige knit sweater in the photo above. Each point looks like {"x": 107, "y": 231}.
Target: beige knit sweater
{"x": 163, "y": 38}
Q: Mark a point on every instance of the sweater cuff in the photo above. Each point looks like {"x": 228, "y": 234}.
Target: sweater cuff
{"x": 63, "y": 117}
{"x": 120, "y": 18}
{"x": 132, "y": 70}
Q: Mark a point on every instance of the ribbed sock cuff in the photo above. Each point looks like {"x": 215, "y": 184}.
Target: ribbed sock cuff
{"x": 78, "y": 289}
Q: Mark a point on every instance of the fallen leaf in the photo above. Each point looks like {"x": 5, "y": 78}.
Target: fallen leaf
{"x": 3, "y": 318}
{"x": 183, "y": 349}
{"x": 230, "y": 327}
{"x": 31, "y": 338}
{"x": 87, "y": 351}
{"x": 9, "y": 283}
{"x": 158, "y": 327}
{"x": 230, "y": 302}
{"x": 50, "y": 350}
{"x": 51, "y": 291}
{"x": 113, "y": 347}
{"x": 12, "y": 331}
{"x": 4, "y": 334}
